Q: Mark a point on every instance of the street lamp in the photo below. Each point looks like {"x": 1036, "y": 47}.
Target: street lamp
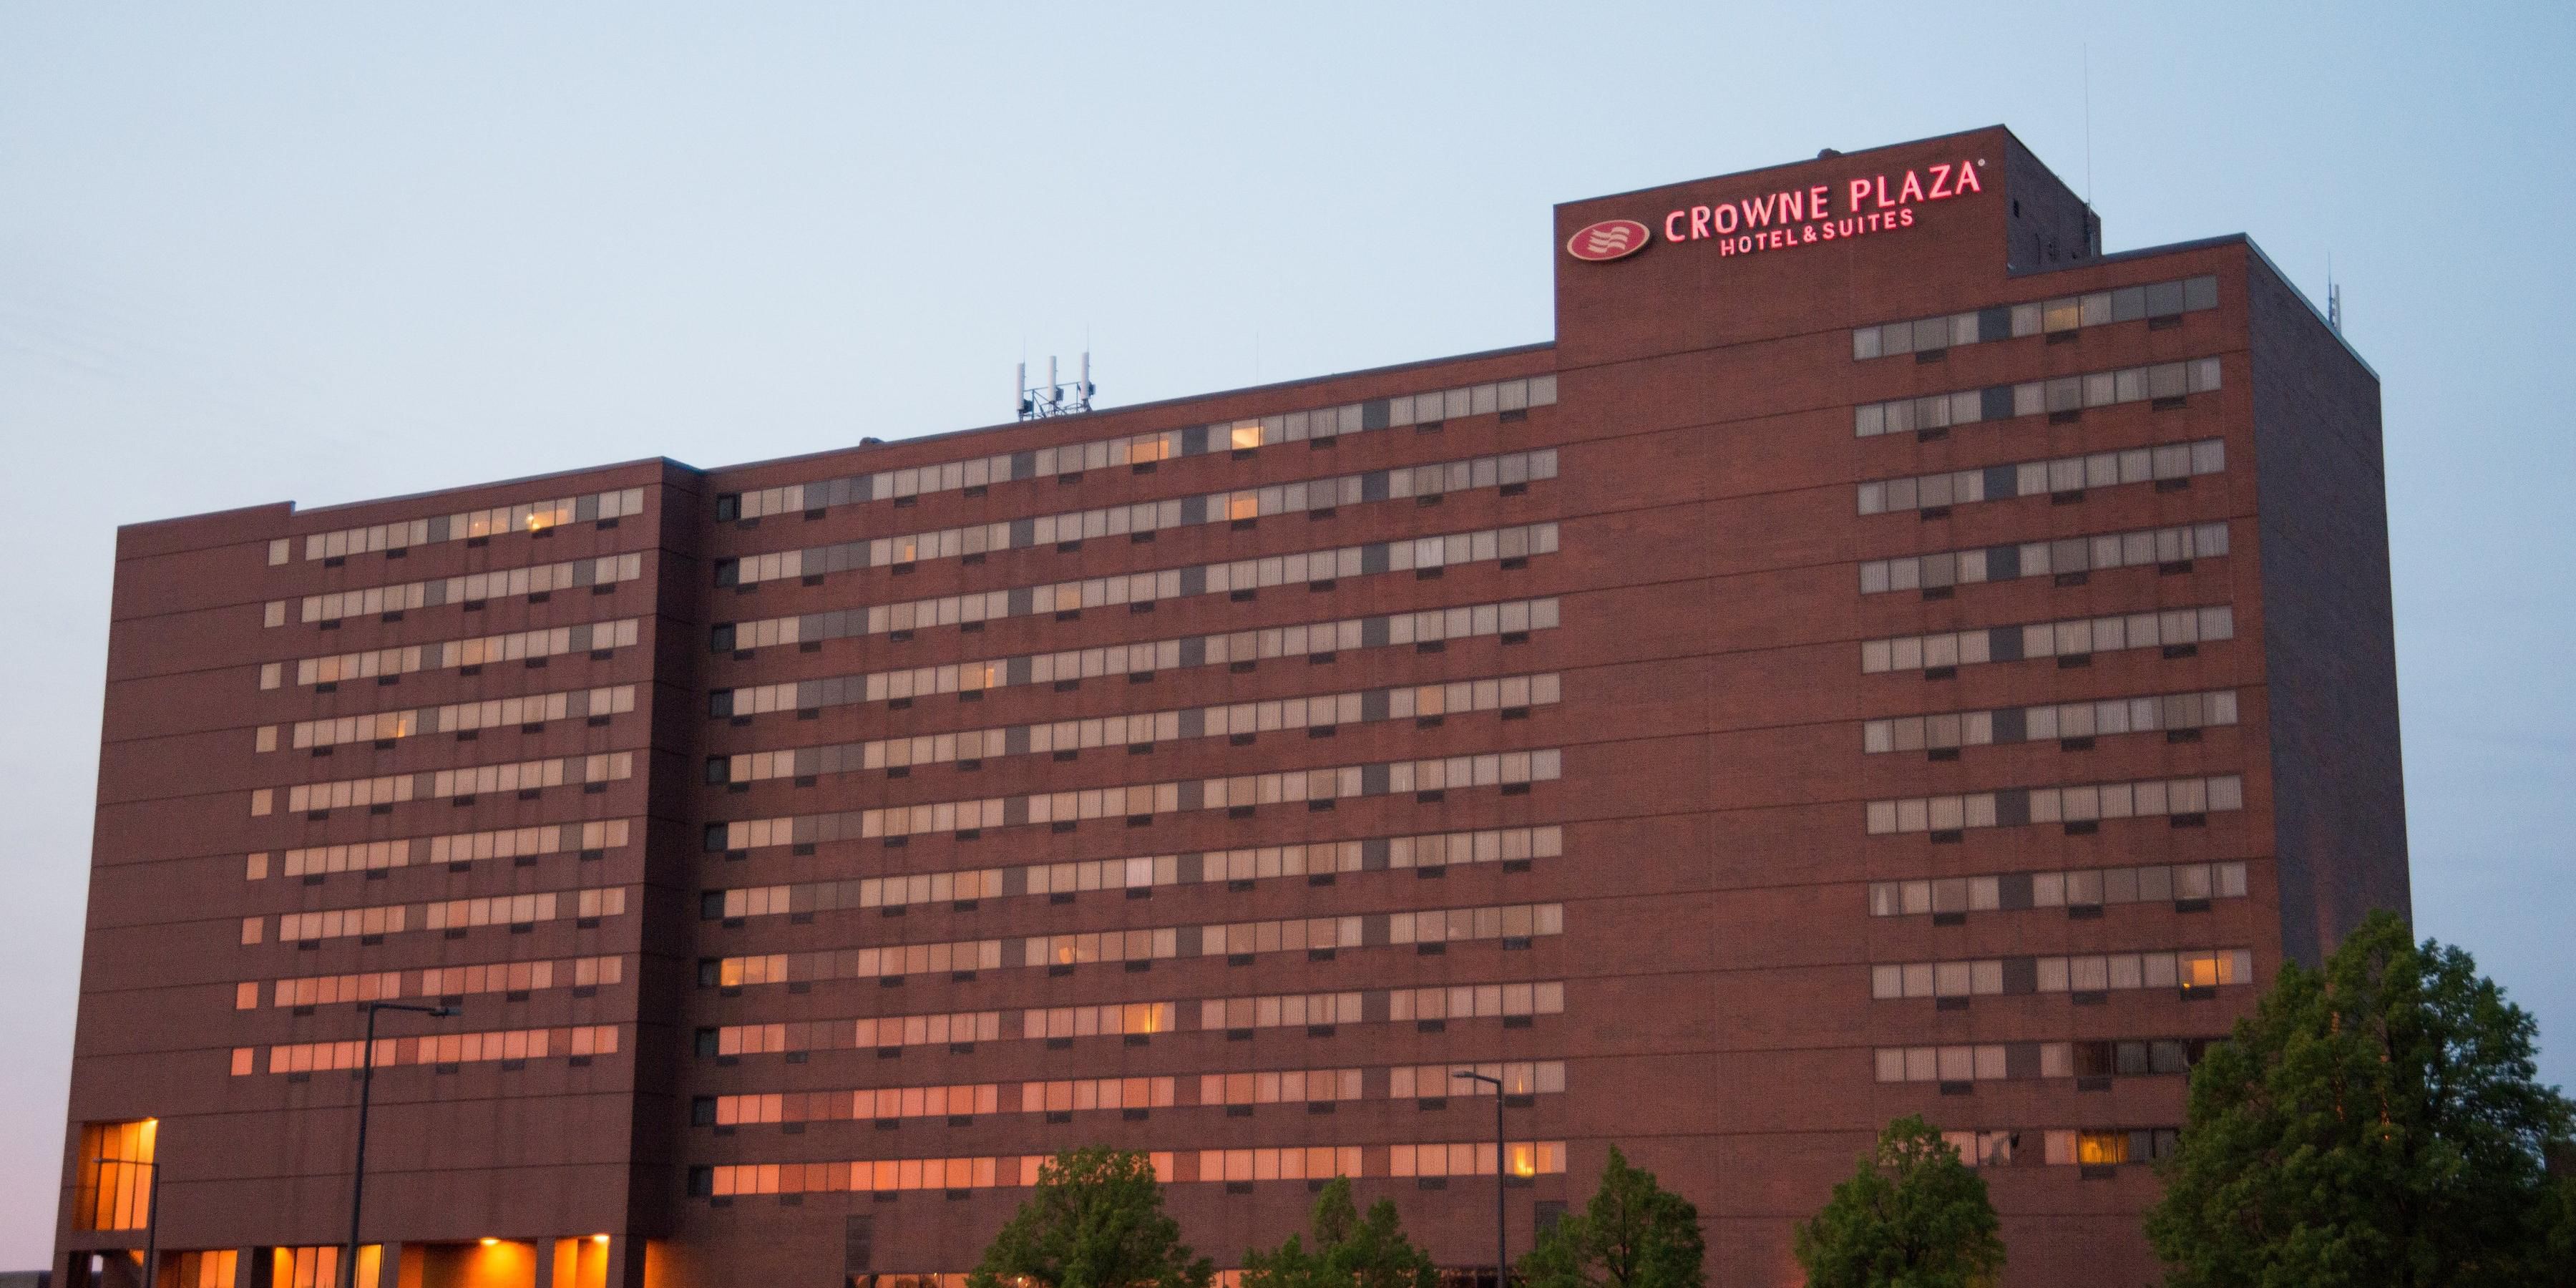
{"x": 152, "y": 1210}
{"x": 1502, "y": 1265}
{"x": 366, "y": 1088}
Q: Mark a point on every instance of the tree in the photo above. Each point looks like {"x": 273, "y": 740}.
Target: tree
{"x": 1633, "y": 1234}
{"x": 1096, "y": 1221}
{"x": 1350, "y": 1251}
{"x": 1913, "y": 1216}
{"x": 2375, "y": 1122}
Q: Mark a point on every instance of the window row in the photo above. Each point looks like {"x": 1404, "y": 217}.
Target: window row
{"x": 2075, "y": 888}
{"x": 1077, "y": 1095}
{"x": 1143, "y": 516}
{"x": 444, "y": 914}
{"x": 1141, "y": 728}
{"x": 457, "y": 717}
{"x": 2062, "y": 395}
{"x": 1142, "y": 801}
{"x": 1234, "y": 1014}
{"x": 527, "y": 516}
{"x": 1312, "y": 640}
{"x": 2171, "y": 628}
{"x": 1369, "y": 930}
{"x": 435, "y": 981}
{"x": 2190, "y": 969}
{"x": 2111, "y": 1147}
{"x": 2066, "y": 1148}
{"x": 441, "y": 784}
{"x": 1307, "y": 568}
{"x": 2051, "y": 317}
{"x": 1993, "y": 1062}
{"x": 2057, "y": 477}
{"x": 2062, "y": 557}
{"x": 2023, "y": 806}
{"x": 589, "y": 637}
{"x": 460, "y": 847}
{"x": 1435, "y": 850}
{"x": 1138, "y": 449}
{"x": 439, "y": 1048}
{"x": 1232, "y": 1166}
{"x": 2170, "y": 712}
{"x": 470, "y": 588}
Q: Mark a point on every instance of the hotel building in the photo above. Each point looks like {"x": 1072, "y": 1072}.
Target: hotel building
{"x": 1883, "y": 656}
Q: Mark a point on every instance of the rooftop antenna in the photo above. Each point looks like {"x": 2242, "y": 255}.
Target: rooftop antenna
{"x": 1055, "y": 397}
{"x": 2334, "y": 299}
{"x": 2088, "y": 125}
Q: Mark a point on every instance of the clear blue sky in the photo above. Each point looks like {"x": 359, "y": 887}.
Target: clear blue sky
{"x": 320, "y": 253}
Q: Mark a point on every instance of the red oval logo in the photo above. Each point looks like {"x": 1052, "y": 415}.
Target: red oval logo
{"x": 1608, "y": 240}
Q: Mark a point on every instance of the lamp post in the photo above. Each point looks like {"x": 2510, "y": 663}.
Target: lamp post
{"x": 366, "y": 1088}
{"x": 1502, "y": 1265}
{"x": 152, "y": 1210}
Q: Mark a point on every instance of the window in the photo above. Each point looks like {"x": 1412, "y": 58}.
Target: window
{"x": 447, "y": 1048}
{"x": 607, "y": 570}
{"x": 1141, "y": 587}
{"x": 2083, "y": 887}
{"x": 113, "y": 1189}
{"x": 2063, "y": 394}
{"x": 1328, "y": 422}
{"x": 2084, "y": 974}
{"x": 1468, "y": 1158}
{"x": 2020, "y": 807}
{"x": 1520, "y": 1078}
{"x": 2030, "y": 478}
{"x": 1492, "y": 769}
{"x": 2172, "y": 711}
{"x": 457, "y": 914}
{"x": 2042, "y": 558}
{"x": 2005, "y": 322}
{"x": 464, "y": 847}
{"x": 1143, "y": 516}
{"x": 529, "y": 516}
{"x": 1144, "y": 727}
{"x": 490, "y": 713}
{"x": 530, "y": 775}
{"x": 2168, "y": 628}
{"x": 1513, "y": 616}
{"x": 2111, "y": 1147}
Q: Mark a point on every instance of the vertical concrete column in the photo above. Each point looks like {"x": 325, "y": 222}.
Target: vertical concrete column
{"x": 251, "y": 1269}
{"x": 625, "y": 1262}
{"x": 388, "y": 1265}
{"x": 548, "y": 1249}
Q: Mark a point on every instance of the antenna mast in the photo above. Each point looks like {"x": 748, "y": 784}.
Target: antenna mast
{"x": 1056, "y": 397}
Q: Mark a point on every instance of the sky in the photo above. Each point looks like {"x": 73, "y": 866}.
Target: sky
{"x": 254, "y": 253}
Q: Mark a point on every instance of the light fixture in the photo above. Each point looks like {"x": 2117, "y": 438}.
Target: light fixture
{"x": 488, "y": 1241}
{"x": 599, "y": 1238}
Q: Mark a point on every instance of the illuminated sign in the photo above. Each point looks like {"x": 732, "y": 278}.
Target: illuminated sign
{"x": 1790, "y": 217}
{"x": 1806, "y": 216}
{"x": 1608, "y": 240}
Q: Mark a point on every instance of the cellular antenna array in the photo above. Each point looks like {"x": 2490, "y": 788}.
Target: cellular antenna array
{"x": 1055, "y": 398}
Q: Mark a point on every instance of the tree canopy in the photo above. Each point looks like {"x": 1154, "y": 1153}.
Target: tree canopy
{"x": 1912, "y": 1216}
{"x": 1349, "y": 1250}
{"x": 1633, "y": 1234}
{"x": 1096, "y": 1220}
{"x": 2376, "y": 1122}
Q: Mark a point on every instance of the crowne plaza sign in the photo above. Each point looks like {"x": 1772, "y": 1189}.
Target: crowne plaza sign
{"x": 1787, "y": 218}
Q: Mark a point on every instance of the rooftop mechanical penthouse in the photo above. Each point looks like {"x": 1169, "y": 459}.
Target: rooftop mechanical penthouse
{"x": 1884, "y": 655}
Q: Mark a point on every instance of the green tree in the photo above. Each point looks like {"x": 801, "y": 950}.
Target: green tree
{"x": 1096, "y": 1221}
{"x": 1913, "y": 1216}
{"x": 1350, "y": 1251}
{"x": 1633, "y": 1234}
{"x": 2377, "y": 1122}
